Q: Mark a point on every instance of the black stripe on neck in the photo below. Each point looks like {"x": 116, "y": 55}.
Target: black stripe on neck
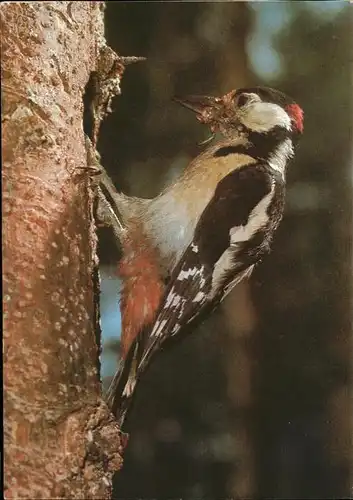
{"x": 229, "y": 150}
{"x": 260, "y": 145}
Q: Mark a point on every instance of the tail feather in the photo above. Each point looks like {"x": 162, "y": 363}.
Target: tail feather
{"x": 117, "y": 210}
{"x": 122, "y": 388}
{"x": 108, "y": 209}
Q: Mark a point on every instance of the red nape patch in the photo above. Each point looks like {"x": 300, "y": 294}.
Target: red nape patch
{"x": 297, "y": 115}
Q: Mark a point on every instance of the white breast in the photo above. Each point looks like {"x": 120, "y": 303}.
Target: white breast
{"x": 173, "y": 231}
{"x": 170, "y": 219}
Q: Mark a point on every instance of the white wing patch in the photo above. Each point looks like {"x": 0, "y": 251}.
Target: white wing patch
{"x": 179, "y": 298}
{"x": 200, "y": 297}
{"x": 184, "y": 275}
{"x": 161, "y": 325}
{"x": 239, "y": 234}
{"x": 173, "y": 300}
{"x": 257, "y": 219}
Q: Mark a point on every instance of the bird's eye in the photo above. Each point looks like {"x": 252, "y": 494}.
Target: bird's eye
{"x": 242, "y": 100}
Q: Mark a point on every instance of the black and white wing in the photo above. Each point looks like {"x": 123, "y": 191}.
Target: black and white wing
{"x": 232, "y": 234}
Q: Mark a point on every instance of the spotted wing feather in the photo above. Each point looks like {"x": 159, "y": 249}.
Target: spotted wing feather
{"x": 232, "y": 234}
{"x": 195, "y": 285}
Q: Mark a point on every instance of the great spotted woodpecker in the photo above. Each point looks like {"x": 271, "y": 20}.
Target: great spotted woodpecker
{"x": 185, "y": 250}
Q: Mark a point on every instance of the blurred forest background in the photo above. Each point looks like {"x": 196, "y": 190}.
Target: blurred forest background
{"x": 256, "y": 403}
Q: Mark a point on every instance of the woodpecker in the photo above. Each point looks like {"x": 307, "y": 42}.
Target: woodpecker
{"x": 186, "y": 249}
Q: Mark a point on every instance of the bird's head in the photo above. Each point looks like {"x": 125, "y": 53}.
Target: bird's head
{"x": 255, "y": 110}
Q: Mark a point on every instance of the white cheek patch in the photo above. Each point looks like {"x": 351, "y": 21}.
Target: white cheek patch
{"x": 264, "y": 116}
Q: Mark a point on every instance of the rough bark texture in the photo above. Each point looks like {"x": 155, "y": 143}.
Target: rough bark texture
{"x": 60, "y": 439}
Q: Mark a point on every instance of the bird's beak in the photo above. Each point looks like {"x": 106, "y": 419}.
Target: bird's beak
{"x": 211, "y": 111}
{"x": 197, "y": 103}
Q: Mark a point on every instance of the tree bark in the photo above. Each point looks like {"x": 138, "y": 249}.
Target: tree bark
{"x": 60, "y": 438}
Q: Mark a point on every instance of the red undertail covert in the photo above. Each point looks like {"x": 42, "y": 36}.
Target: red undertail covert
{"x": 142, "y": 288}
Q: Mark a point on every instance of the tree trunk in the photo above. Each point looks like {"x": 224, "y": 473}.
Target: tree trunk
{"x": 238, "y": 311}
{"x": 60, "y": 438}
